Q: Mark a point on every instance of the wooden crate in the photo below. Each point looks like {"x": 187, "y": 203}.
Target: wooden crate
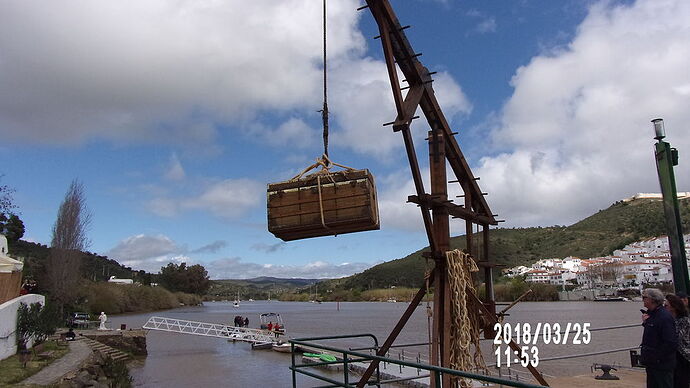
{"x": 348, "y": 203}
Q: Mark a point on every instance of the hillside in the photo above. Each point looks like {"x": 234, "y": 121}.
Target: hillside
{"x": 256, "y": 288}
{"x": 597, "y": 235}
{"x": 93, "y": 267}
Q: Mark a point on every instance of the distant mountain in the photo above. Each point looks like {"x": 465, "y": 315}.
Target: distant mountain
{"x": 597, "y": 235}
{"x": 256, "y": 288}
{"x": 271, "y": 280}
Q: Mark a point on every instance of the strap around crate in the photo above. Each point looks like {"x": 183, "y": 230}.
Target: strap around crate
{"x": 326, "y": 165}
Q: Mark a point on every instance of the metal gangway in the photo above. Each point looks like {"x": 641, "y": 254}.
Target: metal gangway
{"x": 173, "y": 325}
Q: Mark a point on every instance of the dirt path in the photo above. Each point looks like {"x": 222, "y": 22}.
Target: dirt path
{"x": 78, "y": 352}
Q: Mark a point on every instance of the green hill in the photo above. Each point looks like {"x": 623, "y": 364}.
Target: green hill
{"x": 256, "y": 288}
{"x": 93, "y": 267}
{"x": 597, "y": 235}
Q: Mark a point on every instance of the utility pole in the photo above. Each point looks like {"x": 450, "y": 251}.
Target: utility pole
{"x": 667, "y": 157}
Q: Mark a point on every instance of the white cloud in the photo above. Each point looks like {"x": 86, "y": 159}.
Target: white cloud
{"x": 212, "y": 247}
{"x": 140, "y": 248}
{"x": 394, "y": 210}
{"x": 576, "y": 133}
{"x": 150, "y": 253}
{"x": 294, "y": 133}
{"x": 486, "y": 25}
{"x": 235, "y": 268}
{"x": 71, "y": 72}
{"x": 175, "y": 170}
{"x": 183, "y": 71}
{"x": 362, "y": 101}
{"x": 229, "y": 198}
{"x": 269, "y": 248}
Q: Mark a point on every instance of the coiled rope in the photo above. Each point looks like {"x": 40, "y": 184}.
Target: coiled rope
{"x": 465, "y": 353}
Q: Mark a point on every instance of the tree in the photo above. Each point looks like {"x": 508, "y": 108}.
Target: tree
{"x": 12, "y": 228}
{"x": 68, "y": 242}
{"x": 10, "y": 224}
{"x": 193, "y": 280}
{"x": 35, "y": 321}
{"x": 6, "y": 203}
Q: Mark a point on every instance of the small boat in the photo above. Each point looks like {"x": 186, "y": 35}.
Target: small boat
{"x": 284, "y": 348}
{"x": 250, "y": 300}
{"x": 609, "y": 299}
{"x": 262, "y": 345}
{"x": 272, "y": 320}
{"x": 391, "y": 300}
{"x": 322, "y": 356}
{"x": 236, "y": 303}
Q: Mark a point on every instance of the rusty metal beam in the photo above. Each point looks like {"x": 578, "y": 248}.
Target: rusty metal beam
{"x": 453, "y": 209}
{"x": 442, "y": 296}
{"x": 397, "y": 45}
{"x": 443, "y": 147}
{"x": 414, "y": 95}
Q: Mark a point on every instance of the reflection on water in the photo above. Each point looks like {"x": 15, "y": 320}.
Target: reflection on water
{"x": 177, "y": 360}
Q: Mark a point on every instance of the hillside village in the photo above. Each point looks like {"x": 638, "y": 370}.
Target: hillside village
{"x": 638, "y": 263}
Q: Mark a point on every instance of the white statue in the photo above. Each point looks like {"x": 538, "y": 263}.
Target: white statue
{"x": 102, "y": 318}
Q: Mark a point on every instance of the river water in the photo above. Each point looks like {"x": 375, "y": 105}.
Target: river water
{"x": 179, "y": 360}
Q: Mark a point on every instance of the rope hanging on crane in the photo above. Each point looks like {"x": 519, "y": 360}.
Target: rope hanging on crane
{"x": 465, "y": 318}
{"x": 324, "y": 111}
{"x": 347, "y": 200}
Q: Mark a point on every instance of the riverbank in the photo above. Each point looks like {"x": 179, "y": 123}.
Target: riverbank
{"x": 114, "y": 298}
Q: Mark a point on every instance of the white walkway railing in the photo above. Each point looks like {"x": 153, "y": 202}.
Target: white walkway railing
{"x": 209, "y": 330}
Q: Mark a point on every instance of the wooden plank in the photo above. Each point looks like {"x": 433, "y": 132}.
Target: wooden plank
{"x": 311, "y": 193}
{"x": 340, "y": 176}
{"x": 314, "y": 207}
{"x": 347, "y": 228}
{"x": 332, "y": 216}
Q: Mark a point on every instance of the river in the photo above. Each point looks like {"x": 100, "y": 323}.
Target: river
{"x": 178, "y": 360}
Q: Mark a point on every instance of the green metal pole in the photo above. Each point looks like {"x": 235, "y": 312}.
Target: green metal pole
{"x": 666, "y": 158}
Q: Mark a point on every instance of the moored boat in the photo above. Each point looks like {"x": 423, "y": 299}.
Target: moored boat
{"x": 609, "y": 299}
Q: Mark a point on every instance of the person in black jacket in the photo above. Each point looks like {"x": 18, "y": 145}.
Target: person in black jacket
{"x": 659, "y": 340}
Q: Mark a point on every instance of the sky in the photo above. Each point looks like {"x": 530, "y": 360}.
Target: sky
{"x": 176, "y": 114}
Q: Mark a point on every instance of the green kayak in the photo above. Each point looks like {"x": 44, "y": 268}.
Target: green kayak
{"x": 322, "y": 357}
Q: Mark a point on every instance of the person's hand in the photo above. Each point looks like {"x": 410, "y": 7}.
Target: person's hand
{"x": 644, "y": 317}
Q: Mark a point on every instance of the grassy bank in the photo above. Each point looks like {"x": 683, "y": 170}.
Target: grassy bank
{"x": 12, "y": 371}
{"x": 127, "y": 298}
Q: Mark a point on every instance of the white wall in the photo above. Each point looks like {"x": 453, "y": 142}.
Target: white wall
{"x": 8, "y": 322}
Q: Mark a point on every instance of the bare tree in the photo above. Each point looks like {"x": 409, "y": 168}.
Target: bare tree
{"x": 6, "y": 203}
{"x": 69, "y": 240}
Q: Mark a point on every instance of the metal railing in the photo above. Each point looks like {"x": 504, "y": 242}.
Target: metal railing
{"x": 348, "y": 356}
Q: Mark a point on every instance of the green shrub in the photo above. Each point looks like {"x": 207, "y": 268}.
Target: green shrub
{"x": 118, "y": 373}
{"x": 35, "y": 321}
{"x": 123, "y": 298}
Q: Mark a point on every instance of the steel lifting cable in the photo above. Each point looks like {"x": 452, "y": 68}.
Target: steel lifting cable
{"x": 324, "y": 111}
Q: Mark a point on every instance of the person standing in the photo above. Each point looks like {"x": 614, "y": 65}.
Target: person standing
{"x": 683, "y": 297}
{"x": 246, "y": 321}
{"x": 659, "y": 341}
{"x": 681, "y": 375}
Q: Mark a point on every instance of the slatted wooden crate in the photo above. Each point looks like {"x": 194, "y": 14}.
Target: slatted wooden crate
{"x": 347, "y": 204}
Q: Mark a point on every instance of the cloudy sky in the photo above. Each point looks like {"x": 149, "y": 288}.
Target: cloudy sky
{"x": 176, "y": 114}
